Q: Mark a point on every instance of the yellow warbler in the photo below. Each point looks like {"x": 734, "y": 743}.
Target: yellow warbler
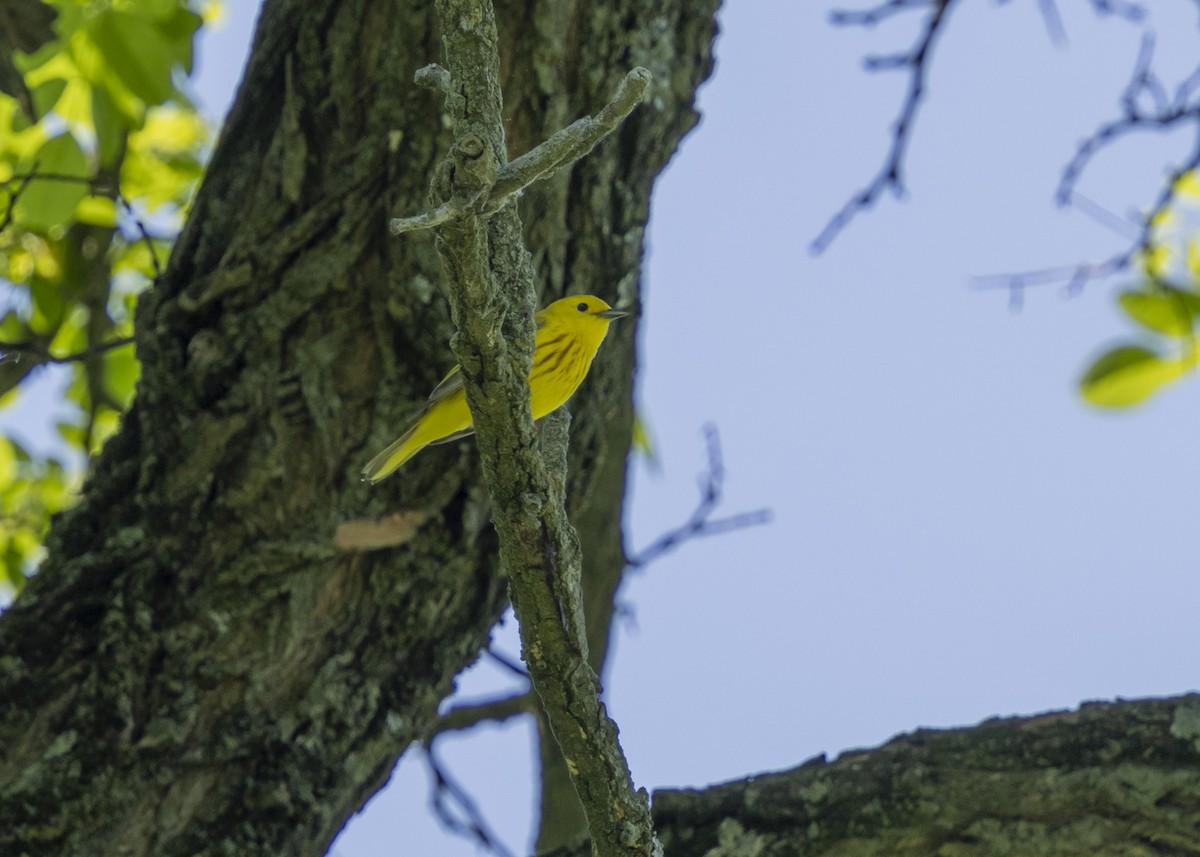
{"x": 569, "y": 331}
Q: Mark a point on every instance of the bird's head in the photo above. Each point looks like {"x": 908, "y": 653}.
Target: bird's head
{"x": 579, "y": 311}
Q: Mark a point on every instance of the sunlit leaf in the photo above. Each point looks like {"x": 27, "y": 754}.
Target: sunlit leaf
{"x": 142, "y": 50}
{"x": 55, "y": 65}
{"x": 1156, "y": 260}
{"x": 109, "y": 124}
{"x": 47, "y": 95}
{"x": 48, "y": 305}
{"x": 1188, "y": 184}
{"x": 75, "y": 106}
{"x": 94, "y": 67}
{"x": 51, "y": 201}
{"x": 104, "y": 426}
{"x": 1166, "y": 310}
{"x": 643, "y": 442}
{"x": 121, "y": 372}
{"x": 8, "y": 461}
{"x": 31, "y": 490}
{"x": 16, "y": 144}
{"x": 1127, "y": 375}
{"x": 1193, "y": 258}
{"x": 97, "y": 210}
{"x": 72, "y": 433}
{"x": 71, "y": 336}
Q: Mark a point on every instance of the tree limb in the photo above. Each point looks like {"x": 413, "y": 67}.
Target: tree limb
{"x": 491, "y": 292}
{"x": 1108, "y": 778}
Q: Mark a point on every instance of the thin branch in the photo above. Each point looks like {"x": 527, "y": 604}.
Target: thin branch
{"x": 699, "y": 524}
{"x": 1132, "y": 12}
{"x": 873, "y": 16}
{"x": 562, "y": 149}
{"x": 444, "y": 213}
{"x": 1168, "y": 112}
{"x": 512, "y": 666}
{"x": 917, "y": 61}
{"x": 147, "y": 239}
{"x": 41, "y": 353}
{"x": 1054, "y": 24}
{"x": 1127, "y": 227}
{"x": 570, "y": 144}
{"x": 97, "y": 186}
{"x": 21, "y": 182}
{"x": 460, "y": 717}
{"x": 471, "y": 824}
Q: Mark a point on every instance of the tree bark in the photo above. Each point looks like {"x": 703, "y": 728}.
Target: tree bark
{"x": 197, "y": 669}
{"x": 1119, "y": 778}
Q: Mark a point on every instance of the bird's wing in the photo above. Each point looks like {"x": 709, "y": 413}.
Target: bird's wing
{"x": 467, "y": 432}
{"x": 451, "y": 384}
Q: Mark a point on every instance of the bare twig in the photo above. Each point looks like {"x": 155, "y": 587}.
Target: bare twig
{"x": 508, "y": 663}
{"x": 699, "y": 524}
{"x": 871, "y": 17}
{"x": 1165, "y": 112}
{"x": 561, "y": 150}
{"x": 571, "y": 143}
{"x": 917, "y": 61}
{"x": 1054, "y": 24}
{"x": 471, "y": 824}
{"x": 1133, "y": 12}
{"x": 444, "y": 213}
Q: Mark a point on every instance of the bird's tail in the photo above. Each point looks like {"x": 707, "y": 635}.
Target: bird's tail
{"x": 398, "y": 451}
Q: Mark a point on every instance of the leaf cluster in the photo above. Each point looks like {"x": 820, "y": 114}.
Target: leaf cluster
{"x": 100, "y": 149}
{"x": 1164, "y": 308}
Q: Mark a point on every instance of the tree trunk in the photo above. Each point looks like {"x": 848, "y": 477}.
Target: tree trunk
{"x": 1121, "y": 778}
{"x": 197, "y": 669}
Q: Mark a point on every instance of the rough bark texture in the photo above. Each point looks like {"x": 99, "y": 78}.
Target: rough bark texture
{"x": 1120, "y": 778}
{"x": 196, "y": 669}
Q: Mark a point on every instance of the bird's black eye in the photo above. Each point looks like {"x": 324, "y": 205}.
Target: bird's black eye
{"x": 582, "y": 307}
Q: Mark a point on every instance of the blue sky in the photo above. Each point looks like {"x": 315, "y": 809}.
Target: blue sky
{"x": 956, "y": 535}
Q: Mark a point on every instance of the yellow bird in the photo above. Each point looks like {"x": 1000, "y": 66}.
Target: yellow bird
{"x": 569, "y": 332}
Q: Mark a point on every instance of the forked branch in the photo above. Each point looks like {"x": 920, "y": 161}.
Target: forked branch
{"x": 564, "y": 148}
{"x": 490, "y": 286}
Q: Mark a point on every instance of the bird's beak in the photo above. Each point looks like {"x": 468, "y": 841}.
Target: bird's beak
{"x": 612, "y": 313}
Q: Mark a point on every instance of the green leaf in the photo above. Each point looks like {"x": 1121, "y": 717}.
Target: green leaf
{"x": 8, "y": 461}
{"x": 142, "y": 51}
{"x": 98, "y": 210}
{"x": 1165, "y": 310}
{"x": 49, "y": 305}
{"x": 90, "y": 61}
{"x": 121, "y": 371}
{"x": 12, "y": 328}
{"x": 179, "y": 28}
{"x": 47, "y": 95}
{"x": 1127, "y": 375}
{"x": 72, "y": 433}
{"x": 51, "y": 202}
{"x": 110, "y": 124}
